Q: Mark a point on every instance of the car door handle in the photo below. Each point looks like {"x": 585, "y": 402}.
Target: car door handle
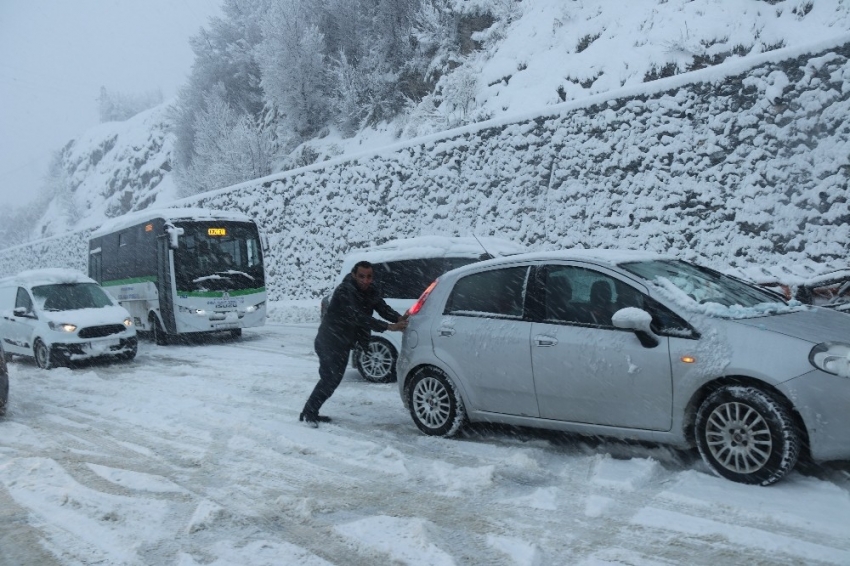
{"x": 447, "y": 332}
{"x": 541, "y": 340}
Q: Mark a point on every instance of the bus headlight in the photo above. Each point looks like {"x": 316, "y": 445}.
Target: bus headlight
{"x": 256, "y": 307}
{"x": 187, "y": 310}
{"x": 62, "y": 326}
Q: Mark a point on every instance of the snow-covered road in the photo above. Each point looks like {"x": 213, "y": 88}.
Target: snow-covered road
{"x": 193, "y": 454}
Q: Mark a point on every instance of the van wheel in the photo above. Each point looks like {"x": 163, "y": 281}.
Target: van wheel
{"x": 746, "y": 435}
{"x": 377, "y": 362}
{"x": 435, "y": 405}
{"x": 42, "y": 354}
{"x": 159, "y": 335}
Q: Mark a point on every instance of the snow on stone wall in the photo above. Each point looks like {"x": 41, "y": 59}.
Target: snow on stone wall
{"x": 728, "y": 169}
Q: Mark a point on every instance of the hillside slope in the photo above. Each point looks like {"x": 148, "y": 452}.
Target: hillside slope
{"x": 738, "y": 165}
{"x": 541, "y": 53}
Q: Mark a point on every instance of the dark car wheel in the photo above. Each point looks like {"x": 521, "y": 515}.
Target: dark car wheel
{"x": 746, "y": 435}
{"x": 160, "y": 338}
{"x": 43, "y": 356}
{"x": 377, "y": 363}
{"x": 236, "y": 333}
{"x": 435, "y": 405}
{"x": 4, "y": 387}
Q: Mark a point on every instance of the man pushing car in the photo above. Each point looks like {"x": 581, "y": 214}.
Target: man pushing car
{"x": 347, "y": 322}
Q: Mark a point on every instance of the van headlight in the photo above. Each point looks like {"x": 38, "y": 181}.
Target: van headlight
{"x": 832, "y": 357}
{"x": 62, "y": 326}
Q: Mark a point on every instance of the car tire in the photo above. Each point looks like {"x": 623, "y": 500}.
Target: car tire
{"x": 44, "y": 358}
{"x": 160, "y": 338}
{"x": 434, "y": 403}
{"x": 236, "y": 333}
{"x": 747, "y": 435}
{"x": 377, "y": 363}
{"x": 4, "y": 393}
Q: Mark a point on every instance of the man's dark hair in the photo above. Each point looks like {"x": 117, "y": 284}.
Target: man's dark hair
{"x": 364, "y": 264}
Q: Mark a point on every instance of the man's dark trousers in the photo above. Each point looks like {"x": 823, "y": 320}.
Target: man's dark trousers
{"x": 333, "y": 359}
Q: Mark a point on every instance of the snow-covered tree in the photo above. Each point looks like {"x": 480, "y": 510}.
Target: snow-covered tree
{"x": 293, "y": 65}
{"x": 224, "y": 58}
{"x": 229, "y": 147}
{"x": 119, "y": 106}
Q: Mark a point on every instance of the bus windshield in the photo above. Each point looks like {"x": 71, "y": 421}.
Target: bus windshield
{"x": 218, "y": 256}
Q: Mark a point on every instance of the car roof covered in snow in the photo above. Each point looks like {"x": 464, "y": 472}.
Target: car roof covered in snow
{"x": 601, "y": 256}
{"x": 423, "y": 247}
{"x": 606, "y": 257}
{"x": 50, "y": 276}
{"x": 168, "y": 214}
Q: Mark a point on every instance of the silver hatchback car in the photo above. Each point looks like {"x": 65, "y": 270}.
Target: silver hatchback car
{"x": 632, "y": 345}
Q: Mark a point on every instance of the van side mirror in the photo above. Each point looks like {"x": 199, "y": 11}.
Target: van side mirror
{"x": 23, "y": 312}
{"x": 638, "y": 321}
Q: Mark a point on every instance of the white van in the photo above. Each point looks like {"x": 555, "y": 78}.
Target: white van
{"x": 403, "y": 269}
{"x": 59, "y": 315}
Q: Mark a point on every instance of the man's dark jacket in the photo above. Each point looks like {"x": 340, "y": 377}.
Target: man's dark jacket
{"x": 348, "y": 320}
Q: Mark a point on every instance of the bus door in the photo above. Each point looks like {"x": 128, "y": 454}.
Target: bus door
{"x": 165, "y": 283}
{"x": 96, "y": 265}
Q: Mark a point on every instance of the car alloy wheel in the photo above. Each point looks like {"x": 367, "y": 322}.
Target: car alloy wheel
{"x": 746, "y": 435}
{"x": 377, "y": 362}
{"x": 434, "y": 403}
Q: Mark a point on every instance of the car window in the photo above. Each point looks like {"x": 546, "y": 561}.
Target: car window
{"x": 583, "y": 296}
{"x": 406, "y": 279}
{"x": 496, "y": 292}
{"x": 23, "y": 299}
{"x": 576, "y": 295}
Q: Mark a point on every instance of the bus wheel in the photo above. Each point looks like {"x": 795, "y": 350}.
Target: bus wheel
{"x": 159, "y": 335}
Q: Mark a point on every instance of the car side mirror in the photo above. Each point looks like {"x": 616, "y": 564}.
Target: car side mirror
{"x": 22, "y": 311}
{"x": 638, "y": 321}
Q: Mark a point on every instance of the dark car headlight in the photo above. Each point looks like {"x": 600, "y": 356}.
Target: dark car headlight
{"x": 832, "y": 357}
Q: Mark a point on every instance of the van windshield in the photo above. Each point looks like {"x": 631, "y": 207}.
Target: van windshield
{"x": 70, "y": 296}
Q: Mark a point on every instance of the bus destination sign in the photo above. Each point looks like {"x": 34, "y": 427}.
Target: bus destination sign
{"x": 216, "y": 231}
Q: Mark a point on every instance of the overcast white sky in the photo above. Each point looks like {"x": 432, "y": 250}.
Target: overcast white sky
{"x": 56, "y": 54}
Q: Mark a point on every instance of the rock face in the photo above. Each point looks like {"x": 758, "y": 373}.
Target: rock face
{"x": 743, "y": 163}
{"x": 113, "y": 169}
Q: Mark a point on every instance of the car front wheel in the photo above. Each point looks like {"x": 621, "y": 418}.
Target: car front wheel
{"x": 42, "y": 354}
{"x": 746, "y": 435}
{"x": 377, "y": 362}
{"x": 435, "y": 405}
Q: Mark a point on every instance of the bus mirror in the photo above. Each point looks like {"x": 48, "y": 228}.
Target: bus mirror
{"x": 174, "y": 234}
{"x": 264, "y": 241}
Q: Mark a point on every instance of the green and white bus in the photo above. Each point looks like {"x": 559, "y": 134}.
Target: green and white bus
{"x": 183, "y": 270}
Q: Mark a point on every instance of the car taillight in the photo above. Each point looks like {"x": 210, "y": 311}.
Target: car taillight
{"x": 417, "y": 306}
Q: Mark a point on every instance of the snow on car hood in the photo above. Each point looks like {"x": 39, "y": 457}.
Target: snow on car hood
{"x": 88, "y": 317}
{"x": 813, "y": 324}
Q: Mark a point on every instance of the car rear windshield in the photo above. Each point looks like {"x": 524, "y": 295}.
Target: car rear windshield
{"x": 406, "y": 279}
{"x": 70, "y": 296}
